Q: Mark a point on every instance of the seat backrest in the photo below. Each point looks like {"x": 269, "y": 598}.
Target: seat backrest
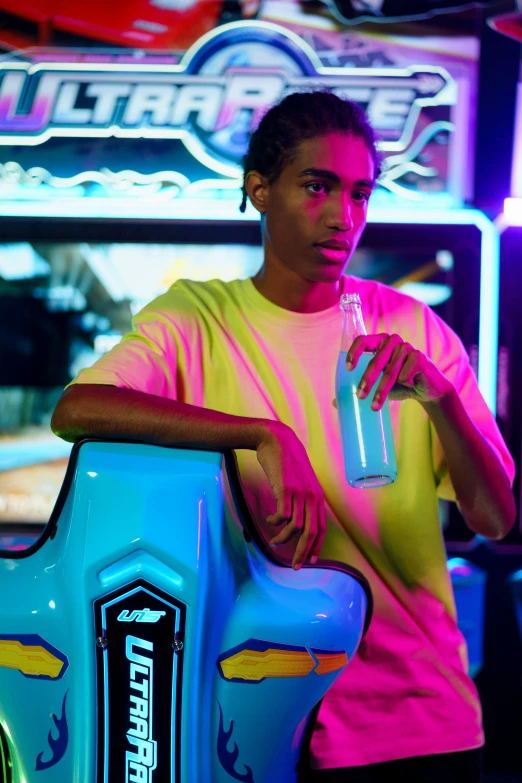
{"x": 164, "y": 638}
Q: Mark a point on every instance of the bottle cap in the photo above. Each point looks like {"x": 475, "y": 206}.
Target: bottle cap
{"x": 350, "y": 299}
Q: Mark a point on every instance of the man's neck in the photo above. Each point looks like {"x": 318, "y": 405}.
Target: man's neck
{"x": 286, "y": 289}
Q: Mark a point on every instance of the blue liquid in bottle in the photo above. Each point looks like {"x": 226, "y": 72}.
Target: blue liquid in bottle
{"x": 367, "y": 437}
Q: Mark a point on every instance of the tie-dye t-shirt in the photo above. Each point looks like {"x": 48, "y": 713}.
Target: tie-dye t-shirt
{"x": 224, "y": 346}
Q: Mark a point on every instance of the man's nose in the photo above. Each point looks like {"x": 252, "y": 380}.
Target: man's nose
{"x": 341, "y": 214}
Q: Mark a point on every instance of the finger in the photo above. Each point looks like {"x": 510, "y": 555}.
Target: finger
{"x": 315, "y": 551}
{"x": 415, "y": 364}
{"x": 365, "y": 343}
{"x": 308, "y": 535}
{"x": 284, "y": 536}
{"x": 377, "y": 365}
{"x": 283, "y": 512}
{"x": 295, "y": 525}
{"x": 334, "y": 403}
{"x": 390, "y": 375}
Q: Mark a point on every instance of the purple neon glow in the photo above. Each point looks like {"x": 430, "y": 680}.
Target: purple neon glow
{"x": 40, "y": 114}
{"x": 516, "y": 179}
{"x": 55, "y": 57}
{"x": 513, "y": 211}
{"x": 132, "y": 59}
{"x": 29, "y": 123}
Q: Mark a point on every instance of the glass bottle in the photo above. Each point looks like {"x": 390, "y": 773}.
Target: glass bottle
{"x": 367, "y": 438}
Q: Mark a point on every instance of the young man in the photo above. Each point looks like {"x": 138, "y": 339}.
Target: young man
{"x": 250, "y": 365}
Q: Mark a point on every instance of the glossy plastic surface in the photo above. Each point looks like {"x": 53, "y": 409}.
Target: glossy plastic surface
{"x": 136, "y": 511}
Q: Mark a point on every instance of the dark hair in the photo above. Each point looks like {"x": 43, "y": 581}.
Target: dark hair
{"x": 301, "y": 116}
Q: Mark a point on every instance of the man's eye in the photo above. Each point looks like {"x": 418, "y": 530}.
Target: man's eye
{"x": 316, "y": 187}
{"x": 361, "y": 195}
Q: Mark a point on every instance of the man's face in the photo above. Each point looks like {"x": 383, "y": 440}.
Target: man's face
{"x": 315, "y": 212}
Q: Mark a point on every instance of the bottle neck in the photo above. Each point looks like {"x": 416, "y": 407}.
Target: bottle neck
{"x": 353, "y": 325}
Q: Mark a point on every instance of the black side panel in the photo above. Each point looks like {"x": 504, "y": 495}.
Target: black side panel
{"x": 139, "y": 682}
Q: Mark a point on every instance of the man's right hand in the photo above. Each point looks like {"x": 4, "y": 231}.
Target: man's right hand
{"x": 298, "y": 494}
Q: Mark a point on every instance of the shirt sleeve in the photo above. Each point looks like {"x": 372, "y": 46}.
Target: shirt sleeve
{"x": 446, "y": 350}
{"x": 146, "y": 359}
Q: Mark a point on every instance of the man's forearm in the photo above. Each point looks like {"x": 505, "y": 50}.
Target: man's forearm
{"x": 91, "y": 410}
{"x": 480, "y": 482}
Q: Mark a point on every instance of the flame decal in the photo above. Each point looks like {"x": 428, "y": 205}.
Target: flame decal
{"x": 228, "y": 758}
{"x": 58, "y": 745}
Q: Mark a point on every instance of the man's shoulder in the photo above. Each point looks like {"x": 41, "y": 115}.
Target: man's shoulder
{"x": 414, "y": 320}
{"x": 207, "y": 290}
{"x": 188, "y": 300}
{"x": 398, "y": 312}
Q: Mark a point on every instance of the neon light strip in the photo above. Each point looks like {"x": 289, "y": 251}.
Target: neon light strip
{"x": 516, "y": 178}
{"x": 513, "y": 211}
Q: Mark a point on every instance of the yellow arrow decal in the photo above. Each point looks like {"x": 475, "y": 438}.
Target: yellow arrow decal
{"x": 31, "y": 655}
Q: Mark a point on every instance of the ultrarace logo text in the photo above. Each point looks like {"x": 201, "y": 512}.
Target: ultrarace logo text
{"x": 141, "y": 761}
{"x": 212, "y": 99}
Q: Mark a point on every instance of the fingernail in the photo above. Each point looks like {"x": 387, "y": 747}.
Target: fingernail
{"x": 313, "y": 559}
{"x": 376, "y": 404}
{"x": 361, "y": 391}
{"x": 297, "y": 567}
{"x": 349, "y": 365}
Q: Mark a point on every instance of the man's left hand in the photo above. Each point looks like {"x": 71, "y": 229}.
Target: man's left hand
{"x": 407, "y": 372}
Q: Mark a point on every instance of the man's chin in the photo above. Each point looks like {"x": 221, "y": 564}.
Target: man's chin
{"x": 328, "y": 273}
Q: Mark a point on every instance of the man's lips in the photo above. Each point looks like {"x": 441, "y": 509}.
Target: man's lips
{"x": 333, "y": 251}
{"x": 334, "y": 244}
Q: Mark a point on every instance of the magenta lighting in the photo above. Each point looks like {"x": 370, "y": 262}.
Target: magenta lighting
{"x": 513, "y": 211}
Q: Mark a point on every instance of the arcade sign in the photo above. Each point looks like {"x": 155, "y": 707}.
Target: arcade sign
{"x": 212, "y": 99}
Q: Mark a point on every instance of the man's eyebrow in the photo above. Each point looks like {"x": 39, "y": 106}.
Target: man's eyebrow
{"x": 320, "y": 173}
{"x": 326, "y": 174}
{"x": 365, "y": 183}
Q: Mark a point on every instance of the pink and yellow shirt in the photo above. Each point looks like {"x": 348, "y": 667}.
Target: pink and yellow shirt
{"x": 224, "y": 346}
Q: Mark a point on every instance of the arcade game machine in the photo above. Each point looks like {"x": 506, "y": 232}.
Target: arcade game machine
{"x": 120, "y": 173}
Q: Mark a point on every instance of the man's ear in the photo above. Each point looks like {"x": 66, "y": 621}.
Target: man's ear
{"x": 257, "y": 187}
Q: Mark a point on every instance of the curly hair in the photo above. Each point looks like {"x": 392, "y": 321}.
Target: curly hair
{"x": 301, "y": 116}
